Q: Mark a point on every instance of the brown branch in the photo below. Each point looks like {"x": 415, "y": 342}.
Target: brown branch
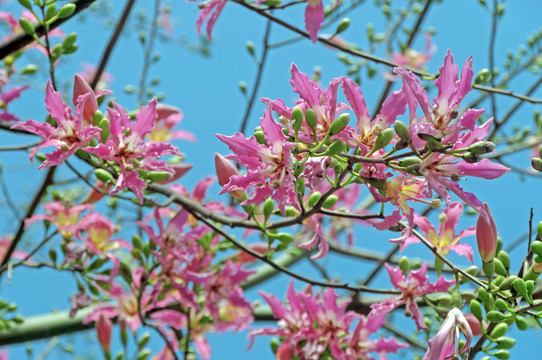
{"x": 20, "y": 41}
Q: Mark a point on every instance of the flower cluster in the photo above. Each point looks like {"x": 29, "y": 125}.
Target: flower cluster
{"x": 316, "y": 324}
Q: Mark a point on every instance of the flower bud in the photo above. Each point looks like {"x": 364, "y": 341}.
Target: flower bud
{"x": 225, "y": 169}
{"x": 536, "y": 163}
{"x": 495, "y": 316}
{"x": 343, "y": 25}
{"x": 413, "y": 160}
{"x": 385, "y": 137}
{"x": 505, "y": 343}
{"x": 90, "y": 106}
{"x": 103, "y": 331}
{"x": 310, "y": 119}
{"x": 339, "y": 124}
{"x": 476, "y": 309}
{"x": 482, "y": 147}
{"x": 402, "y": 131}
{"x": 486, "y": 236}
{"x": 297, "y": 118}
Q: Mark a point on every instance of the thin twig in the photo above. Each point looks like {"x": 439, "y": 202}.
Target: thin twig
{"x": 258, "y": 77}
{"x": 9, "y": 201}
{"x": 111, "y": 44}
{"x": 374, "y": 58}
{"x": 21, "y": 40}
{"x": 148, "y": 51}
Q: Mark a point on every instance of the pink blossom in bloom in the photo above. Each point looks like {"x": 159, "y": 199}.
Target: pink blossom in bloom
{"x": 211, "y": 10}
{"x": 269, "y": 167}
{"x": 314, "y": 17}
{"x": 312, "y": 324}
{"x": 486, "y": 236}
{"x": 64, "y": 216}
{"x": 7, "y": 96}
{"x": 96, "y": 232}
{"x": 416, "y": 286}
{"x": 164, "y": 126}
{"x": 442, "y": 345}
{"x": 412, "y": 59}
{"x": 70, "y": 134}
{"x": 446, "y": 239}
{"x": 126, "y": 146}
{"x": 5, "y": 242}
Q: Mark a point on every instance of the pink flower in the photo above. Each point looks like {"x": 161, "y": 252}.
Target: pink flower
{"x": 212, "y": 8}
{"x": 164, "y": 126}
{"x": 446, "y": 239}
{"x": 88, "y": 73}
{"x": 269, "y": 167}
{"x": 127, "y": 147}
{"x": 64, "y": 216}
{"x": 70, "y": 134}
{"x": 486, "y": 236}
{"x": 314, "y": 17}
{"x": 415, "y": 59}
{"x": 442, "y": 345}
{"x": 416, "y": 286}
{"x": 313, "y": 324}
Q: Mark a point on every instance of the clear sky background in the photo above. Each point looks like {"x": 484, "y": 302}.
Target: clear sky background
{"x": 206, "y": 89}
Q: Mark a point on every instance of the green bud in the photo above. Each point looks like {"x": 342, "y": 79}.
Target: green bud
{"x": 284, "y": 238}
{"x": 505, "y": 285}
{"x": 66, "y": 10}
{"x": 501, "y": 304}
{"x": 502, "y": 355}
{"x": 300, "y": 183}
{"x": 335, "y": 148}
{"x": 156, "y": 176}
{"x": 69, "y": 40}
{"x": 268, "y": 207}
{"x": 383, "y": 139}
{"x": 529, "y": 284}
{"x": 537, "y": 247}
{"x": 313, "y": 199}
{"x": 26, "y": 4}
{"x": 499, "y": 267}
{"x": 521, "y": 323}
{"x": 243, "y": 87}
{"x": 488, "y": 268}
{"x": 486, "y": 298}
{"x": 297, "y": 118}
{"x": 27, "y": 26}
{"x": 260, "y": 137}
{"x": 18, "y": 319}
{"x": 119, "y": 355}
{"x": 482, "y": 147}
{"x": 343, "y": 25}
{"x": 536, "y": 163}
{"x": 137, "y": 242}
{"x": 310, "y": 119}
{"x": 476, "y": 309}
{"x": 505, "y": 259}
{"x": 104, "y": 176}
{"x": 250, "y": 47}
{"x": 339, "y": 124}
{"x": 104, "y": 125}
{"x": 272, "y": 3}
{"x": 29, "y": 69}
{"x": 274, "y": 345}
{"x": 51, "y": 11}
{"x": 143, "y": 340}
{"x": 330, "y": 201}
{"x": 483, "y": 76}
{"x": 404, "y": 265}
{"x": 505, "y": 343}
{"x": 495, "y": 316}
{"x": 413, "y": 160}
{"x": 377, "y": 183}
{"x": 52, "y": 255}
{"x": 520, "y": 287}
{"x": 402, "y": 131}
